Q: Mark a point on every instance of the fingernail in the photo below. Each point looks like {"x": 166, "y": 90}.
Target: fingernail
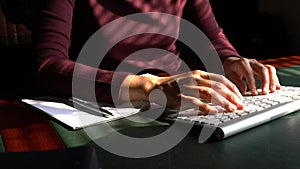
{"x": 254, "y": 92}
{"x": 266, "y": 90}
{"x": 273, "y": 87}
{"x": 240, "y": 103}
{"x": 232, "y": 107}
{"x": 241, "y": 106}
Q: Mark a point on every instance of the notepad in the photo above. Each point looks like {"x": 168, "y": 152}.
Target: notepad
{"x": 75, "y": 118}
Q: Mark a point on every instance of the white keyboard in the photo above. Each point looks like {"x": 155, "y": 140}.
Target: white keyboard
{"x": 258, "y": 110}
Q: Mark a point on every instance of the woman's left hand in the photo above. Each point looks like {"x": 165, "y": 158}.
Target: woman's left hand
{"x": 239, "y": 68}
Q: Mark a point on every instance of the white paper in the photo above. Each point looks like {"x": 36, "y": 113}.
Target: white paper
{"x": 76, "y": 118}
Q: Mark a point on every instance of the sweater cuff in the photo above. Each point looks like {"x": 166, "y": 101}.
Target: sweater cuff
{"x": 225, "y": 57}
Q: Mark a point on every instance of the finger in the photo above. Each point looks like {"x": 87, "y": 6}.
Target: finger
{"x": 274, "y": 81}
{"x": 221, "y": 89}
{"x": 247, "y": 73}
{"x": 203, "y": 107}
{"x": 262, "y": 72}
{"x": 212, "y": 77}
{"x": 229, "y": 95}
{"x": 239, "y": 83}
{"x": 216, "y": 98}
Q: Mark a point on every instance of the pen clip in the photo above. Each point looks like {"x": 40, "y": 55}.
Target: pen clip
{"x": 89, "y": 106}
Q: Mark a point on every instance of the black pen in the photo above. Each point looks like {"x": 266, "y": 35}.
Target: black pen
{"x": 90, "y": 106}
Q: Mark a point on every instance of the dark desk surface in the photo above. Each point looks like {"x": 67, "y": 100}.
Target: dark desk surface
{"x": 272, "y": 145}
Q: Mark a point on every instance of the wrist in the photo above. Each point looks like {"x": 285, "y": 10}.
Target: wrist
{"x": 137, "y": 87}
{"x": 230, "y": 58}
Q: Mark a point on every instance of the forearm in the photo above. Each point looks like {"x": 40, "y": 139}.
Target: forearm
{"x": 51, "y": 39}
{"x": 56, "y": 76}
{"x": 200, "y": 13}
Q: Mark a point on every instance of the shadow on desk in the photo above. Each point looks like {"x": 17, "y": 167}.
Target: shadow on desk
{"x": 69, "y": 158}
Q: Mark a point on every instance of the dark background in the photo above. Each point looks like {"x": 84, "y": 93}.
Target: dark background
{"x": 253, "y": 33}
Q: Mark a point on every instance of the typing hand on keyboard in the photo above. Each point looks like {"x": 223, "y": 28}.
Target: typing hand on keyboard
{"x": 239, "y": 68}
{"x": 253, "y": 104}
{"x": 258, "y": 110}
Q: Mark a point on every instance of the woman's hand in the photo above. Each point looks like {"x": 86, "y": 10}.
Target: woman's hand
{"x": 184, "y": 90}
{"x": 237, "y": 69}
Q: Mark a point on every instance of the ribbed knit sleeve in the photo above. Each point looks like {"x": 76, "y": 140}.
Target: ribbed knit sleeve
{"x": 51, "y": 42}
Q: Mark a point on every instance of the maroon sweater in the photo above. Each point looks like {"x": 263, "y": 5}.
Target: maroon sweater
{"x": 63, "y": 27}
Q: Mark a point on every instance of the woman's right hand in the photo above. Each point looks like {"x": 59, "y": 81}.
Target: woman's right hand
{"x": 184, "y": 90}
